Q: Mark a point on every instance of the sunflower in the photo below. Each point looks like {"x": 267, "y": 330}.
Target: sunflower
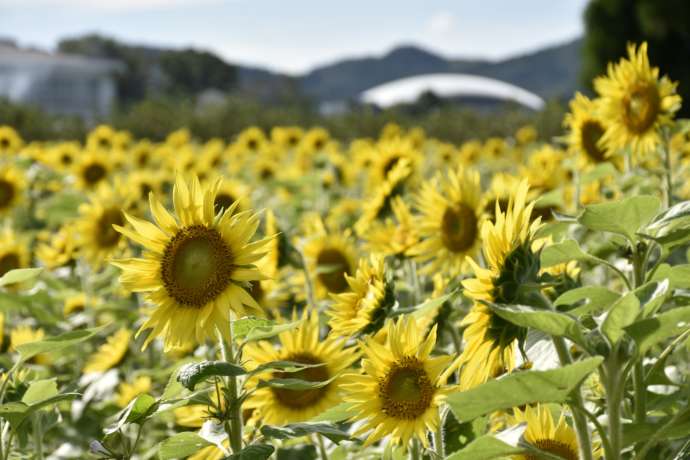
{"x": 585, "y": 130}
{"x": 77, "y": 303}
{"x": 450, "y": 221}
{"x": 10, "y": 141}
{"x": 526, "y": 135}
{"x": 393, "y": 237}
{"x": 194, "y": 267}
{"x": 142, "y": 155}
{"x": 313, "y": 141}
{"x": 63, "y": 156}
{"x": 329, "y": 258}
{"x": 27, "y": 334}
{"x": 230, "y": 191}
{"x": 96, "y": 235}
{"x": 92, "y": 169}
{"x": 501, "y": 188}
{"x": 251, "y": 140}
{"x": 126, "y": 392}
{"x": 635, "y": 103}
{"x": 12, "y": 185}
{"x": 402, "y": 386}
{"x": 489, "y": 340}
{"x": 328, "y": 359}
{"x": 387, "y": 154}
{"x": 110, "y": 354}
{"x": 559, "y": 439}
{"x": 365, "y": 303}
{"x": 102, "y": 137}
{"x": 14, "y": 251}
{"x": 287, "y": 137}
{"x": 59, "y": 248}
{"x": 178, "y": 138}
{"x": 378, "y": 205}
{"x": 141, "y": 182}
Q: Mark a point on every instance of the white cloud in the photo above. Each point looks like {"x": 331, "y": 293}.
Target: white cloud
{"x": 441, "y": 23}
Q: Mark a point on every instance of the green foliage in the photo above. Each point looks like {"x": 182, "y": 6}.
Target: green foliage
{"x": 295, "y": 430}
{"x": 486, "y": 447}
{"x": 181, "y": 445}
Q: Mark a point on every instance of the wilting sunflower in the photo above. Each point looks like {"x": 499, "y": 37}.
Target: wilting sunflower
{"x": 378, "y": 205}
{"x": 559, "y": 439}
{"x": 635, "y": 103}
{"x": 365, "y": 304}
{"x": 110, "y": 354}
{"x": 194, "y": 267}
{"x": 126, "y": 392}
{"x": 328, "y": 359}
{"x": 12, "y": 185}
{"x": 450, "y": 222}
{"x": 491, "y": 341}
{"x": 92, "y": 169}
{"x": 97, "y": 238}
{"x": 585, "y": 130}
{"x": 393, "y": 236}
{"x": 14, "y": 252}
{"x": 329, "y": 258}
{"x": 402, "y": 386}
{"x": 10, "y": 141}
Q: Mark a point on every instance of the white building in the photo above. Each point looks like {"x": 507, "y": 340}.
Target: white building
{"x": 408, "y": 90}
{"x": 58, "y": 83}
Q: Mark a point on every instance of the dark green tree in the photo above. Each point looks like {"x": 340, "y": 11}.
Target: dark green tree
{"x": 663, "y": 24}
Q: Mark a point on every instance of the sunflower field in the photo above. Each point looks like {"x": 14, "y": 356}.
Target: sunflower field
{"x": 288, "y": 295}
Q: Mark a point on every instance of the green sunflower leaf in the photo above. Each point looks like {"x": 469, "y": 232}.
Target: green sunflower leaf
{"x": 296, "y": 430}
{"x": 621, "y": 314}
{"x": 550, "y": 322}
{"x": 678, "y": 275}
{"x": 586, "y": 299}
{"x": 181, "y": 445}
{"x": 57, "y": 343}
{"x": 137, "y": 411}
{"x": 520, "y": 388}
{"x": 651, "y": 331}
{"x": 253, "y": 452}
{"x": 486, "y": 447}
{"x": 563, "y": 252}
{"x": 252, "y": 328}
{"x": 192, "y": 374}
{"x": 294, "y": 384}
{"x": 19, "y": 275}
{"x": 338, "y": 413}
{"x": 284, "y": 366}
{"x": 624, "y": 217}
{"x": 18, "y": 412}
{"x": 40, "y": 390}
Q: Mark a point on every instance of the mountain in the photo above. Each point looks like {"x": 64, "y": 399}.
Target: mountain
{"x": 550, "y": 72}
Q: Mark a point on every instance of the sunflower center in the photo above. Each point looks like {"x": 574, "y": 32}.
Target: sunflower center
{"x": 145, "y": 189}
{"x": 103, "y": 142}
{"x": 66, "y": 159}
{"x": 552, "y": 446}
{"x": 196, "y": 266}
{"x": 4, "y": 142}
{"x": 406, "y": 391}
{"x": 301, "y": 399}
{"x": 106, "y": 235}
{"x": 292, "y": 141}
{"x": 6, "y": 193}
{"x": 94, "y": 173}
{"x": 8, "y": 262}
{"x": 252, "y": 144}
{"x": 333, "y": 266}
{"x": 591, "y": 133}
{"x": 641, "y": 107}
{"x": 458, "y": 228}
{"x": 223, "y": 201}
{"x": 143, "y": 159}
{"x": 266, "y": 173}
{"x": 257, "y": 292}
{"x": 390, "y": 164}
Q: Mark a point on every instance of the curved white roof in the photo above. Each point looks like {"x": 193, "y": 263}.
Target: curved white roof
{"x": 408, "y": 90}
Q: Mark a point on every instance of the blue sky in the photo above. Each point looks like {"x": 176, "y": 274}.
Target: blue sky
{"x": 296, "y": 35}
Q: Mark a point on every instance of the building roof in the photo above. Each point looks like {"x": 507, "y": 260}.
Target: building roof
{"x": 408, "y": 90}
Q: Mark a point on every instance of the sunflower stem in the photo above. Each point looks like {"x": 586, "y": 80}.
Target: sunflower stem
{"x": 439, "y": 446}
{"x": 233, "y": 424}
{"x": 583, "y": 438}
{"x": 640, "y": 392}
{"x": 668, "y": 174}
{"x": 614, "y": 393}
{"x": 415, "y": 451}
{"x": 38, "y": 436}
{"x": 322, "y": 447}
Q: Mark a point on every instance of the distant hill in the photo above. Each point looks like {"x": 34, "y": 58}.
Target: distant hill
{"x": 551, "y": 72}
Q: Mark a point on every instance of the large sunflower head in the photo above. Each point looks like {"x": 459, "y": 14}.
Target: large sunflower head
{"x": 328, "y": 359}
{"x": 363, "y": 308}
{"x": 490, "y": 340}
{"x": 585, "y": 130}
{"x": 635, "y": 102}
{"x": 12, "y": 185}
{"x": 450, "y": 223}
{"x": 541, "y": 432}
{"x": 401, "y": 386}
{"x": 196, "y": 267}
{"x": 97, "y": 237}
